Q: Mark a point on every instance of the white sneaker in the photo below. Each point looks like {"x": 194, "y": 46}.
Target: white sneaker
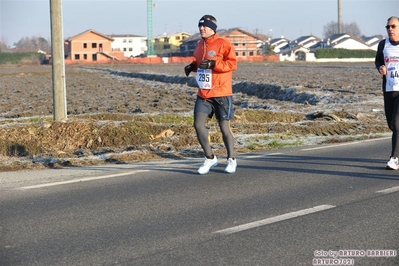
{"x": 231, "y": 166}
{"x": 393, "y": 163}
{"x": 206, "y": 166}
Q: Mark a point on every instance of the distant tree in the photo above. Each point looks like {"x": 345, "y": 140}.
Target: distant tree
{"x": 23, "y": 43}
{"x": 352, "y": 29}
{"x": 43, "y": 44}
{"x": 3, "y": 44}
{"x": 332, "y": 28}
{"x": 33, "y": 44}
{"x": 267, "y": 49}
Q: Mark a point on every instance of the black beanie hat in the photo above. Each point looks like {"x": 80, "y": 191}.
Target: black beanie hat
{"x": 208, "y": 23}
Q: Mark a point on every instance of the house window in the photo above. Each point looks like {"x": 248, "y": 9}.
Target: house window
{"x": 243, "y": 53}
{"x": 94, "y": 57}
{"x": 243, "y": 44}
{"x": 236, "y": 54}
{"x": 177, "y": 37}
{"x": 94, "y": 45}
{"x": 77, "y": 57}
{"x": 124, "y": 40}
{"x": 85, "y": 56}
{"x": 251, "y": 53}
{"x": 235, "y": 44}
{"x": 130, "y": 40}
{"x": 130, "y": 49}
{"x": 84, "y": 45}
{"x": 124, "y": 49}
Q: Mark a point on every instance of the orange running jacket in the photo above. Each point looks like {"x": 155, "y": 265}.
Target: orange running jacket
{"x": 222, "y": 51}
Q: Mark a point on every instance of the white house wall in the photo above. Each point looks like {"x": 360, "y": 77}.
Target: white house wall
{"x": 352, "y": 45}
{"x": 374, "y": 47}
{"x": 131, "y": 46}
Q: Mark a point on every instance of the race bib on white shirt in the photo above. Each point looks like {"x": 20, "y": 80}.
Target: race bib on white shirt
{"x": 204, "y": 78}
{"x": 391, "y": 59}
{"x": 393, "y": 76}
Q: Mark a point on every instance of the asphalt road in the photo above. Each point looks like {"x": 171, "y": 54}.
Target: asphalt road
{"x": 321, "y": 205}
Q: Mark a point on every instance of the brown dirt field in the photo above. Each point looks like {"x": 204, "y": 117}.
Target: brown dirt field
{"x": 120, "y": 113}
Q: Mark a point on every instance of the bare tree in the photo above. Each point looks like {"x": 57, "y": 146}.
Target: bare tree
{"x": 352, "y": 29}
{"x": 24, "y": 43}
{"x": 33, "y": 44}
{"x": 332, "y": 28}
{"x": 3, "y": 44}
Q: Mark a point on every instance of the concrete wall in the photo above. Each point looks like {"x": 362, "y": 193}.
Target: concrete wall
{"x": 350, "y": 60}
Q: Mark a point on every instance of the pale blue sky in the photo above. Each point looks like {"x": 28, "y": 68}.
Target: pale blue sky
{"x": 288, "y": 18}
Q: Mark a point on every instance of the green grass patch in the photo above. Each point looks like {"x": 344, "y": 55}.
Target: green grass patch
{"x": 273, "y": 144}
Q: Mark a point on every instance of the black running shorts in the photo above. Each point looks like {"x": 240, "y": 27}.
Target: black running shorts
{"x": 222, "y": 107}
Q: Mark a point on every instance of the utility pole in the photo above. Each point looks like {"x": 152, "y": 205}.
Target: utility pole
{"x": 58, "y": 64}
{"x": 340, "y": 16}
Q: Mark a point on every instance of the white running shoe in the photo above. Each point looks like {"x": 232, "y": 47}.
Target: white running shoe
{"x": 231, "y": 166}
{"x": 393, "y": 163}
{"x": 206, "y": 166}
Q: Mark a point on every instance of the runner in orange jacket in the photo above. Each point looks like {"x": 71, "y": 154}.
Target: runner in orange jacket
{"x": 215, "y": 61}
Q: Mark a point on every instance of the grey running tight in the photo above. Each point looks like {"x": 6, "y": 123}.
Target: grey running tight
{"x": 202, "y": 134}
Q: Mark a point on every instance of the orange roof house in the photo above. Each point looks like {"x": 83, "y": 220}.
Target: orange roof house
{"x": 245, "y": 44}
{"x": 90, "y": 46}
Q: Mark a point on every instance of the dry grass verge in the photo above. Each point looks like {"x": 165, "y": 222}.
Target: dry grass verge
{"x": 121, "y": 138}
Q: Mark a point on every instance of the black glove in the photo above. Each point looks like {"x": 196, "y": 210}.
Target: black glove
{"x": 206, "y": 64}
{"x": 188, "y": 69}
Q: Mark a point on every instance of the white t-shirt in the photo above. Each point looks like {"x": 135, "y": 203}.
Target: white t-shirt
{"x": 391, "y": 59}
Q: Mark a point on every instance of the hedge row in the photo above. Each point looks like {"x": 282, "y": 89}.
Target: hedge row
{"x": 16, "y": 58}
{"x": 344, "y": 53}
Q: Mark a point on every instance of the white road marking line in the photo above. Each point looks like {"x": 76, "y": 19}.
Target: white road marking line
{"x": 343, "y": 144}
{"x": 276, "y": 153}
{"x": 261, "y": 155}
{"x": 275, "y": 219}
{"x": 253, "y": 156}
{"x": 388, "y": 190}
{"x": 81, "y": 180}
